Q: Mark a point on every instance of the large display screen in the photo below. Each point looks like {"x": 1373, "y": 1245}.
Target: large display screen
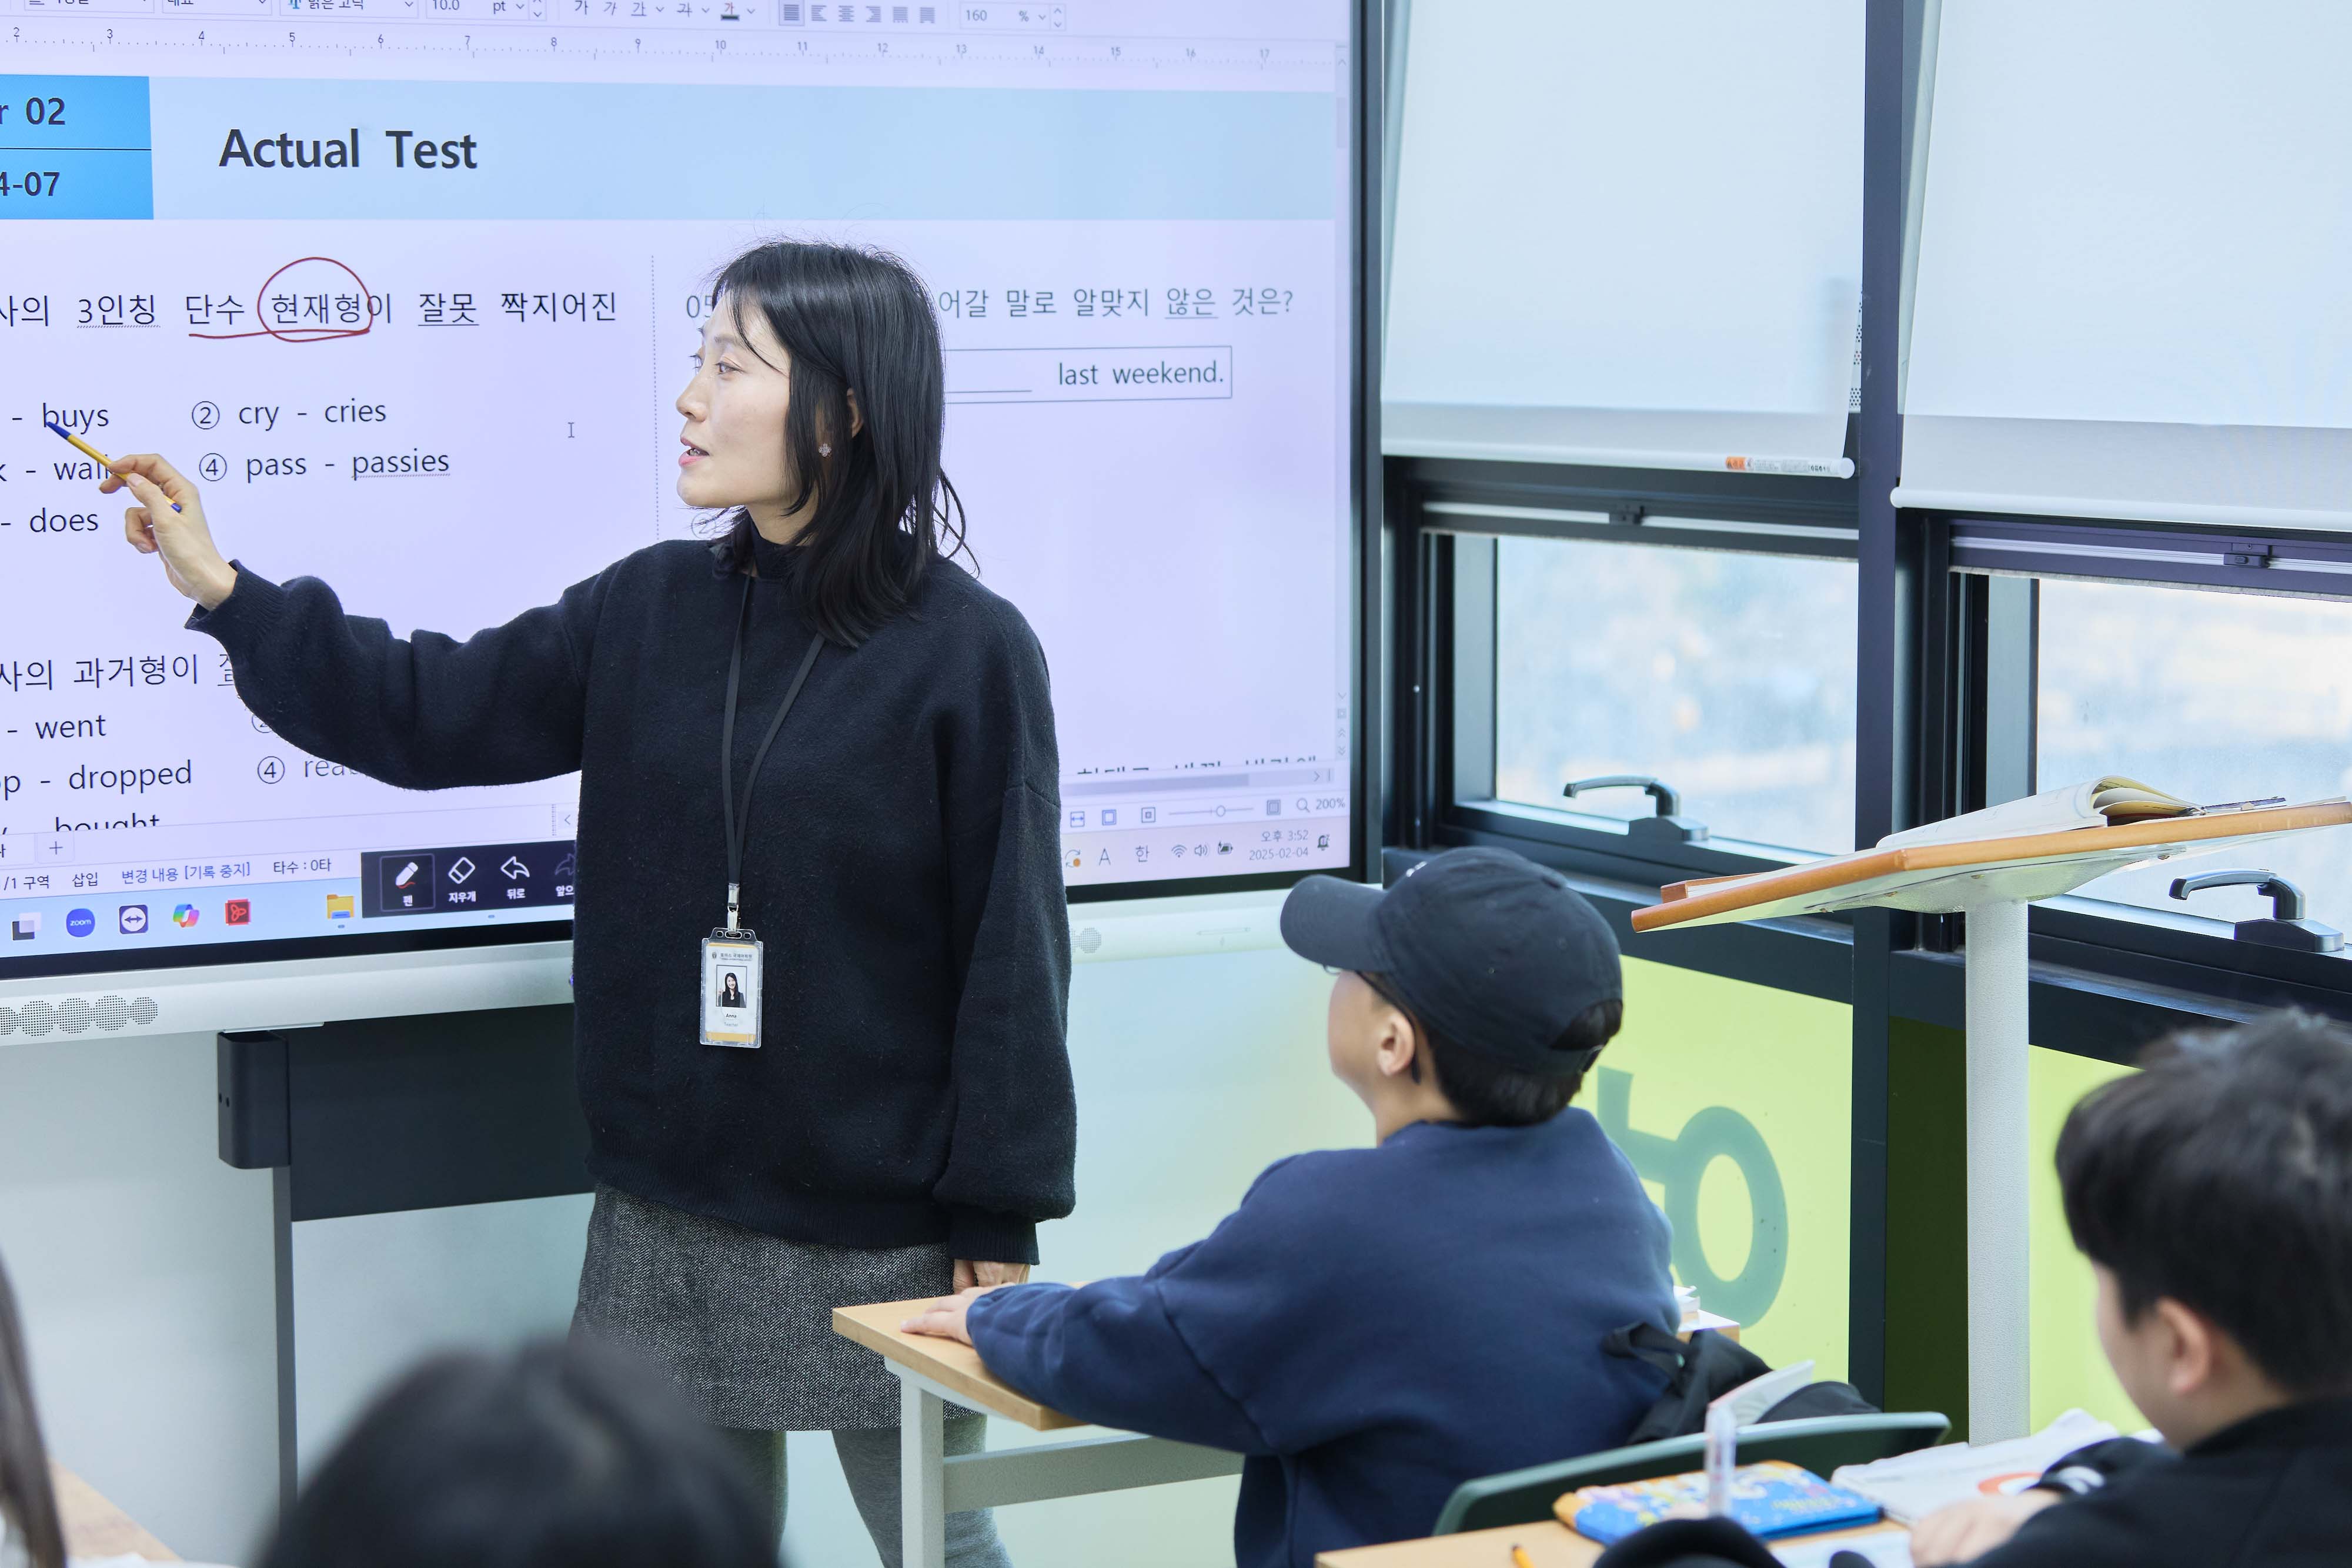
{"x": 410, "y": 286}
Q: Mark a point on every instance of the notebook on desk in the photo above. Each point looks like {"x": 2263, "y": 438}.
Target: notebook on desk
{"x": 1774, "y": 1498}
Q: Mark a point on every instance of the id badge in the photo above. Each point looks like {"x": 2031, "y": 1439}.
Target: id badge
{"x": 731, "y": 989}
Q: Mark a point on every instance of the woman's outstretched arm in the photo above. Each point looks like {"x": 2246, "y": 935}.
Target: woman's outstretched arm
{"x": 425, "y": 712}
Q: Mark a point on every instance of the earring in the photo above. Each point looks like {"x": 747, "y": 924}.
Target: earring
{"x": 824, "y": 449}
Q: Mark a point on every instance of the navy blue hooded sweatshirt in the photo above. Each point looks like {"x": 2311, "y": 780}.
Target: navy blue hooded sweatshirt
{"x": 1372, "y": 1327}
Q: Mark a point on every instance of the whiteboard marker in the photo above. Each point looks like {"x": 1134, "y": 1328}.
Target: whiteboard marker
{"x": 103, "y": 460}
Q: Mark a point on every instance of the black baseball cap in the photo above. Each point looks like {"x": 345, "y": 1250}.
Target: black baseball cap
{"x": 1491, "y": 951}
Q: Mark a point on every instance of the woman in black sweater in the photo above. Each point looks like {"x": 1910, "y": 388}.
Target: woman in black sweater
{"x": 906, "y": 1118}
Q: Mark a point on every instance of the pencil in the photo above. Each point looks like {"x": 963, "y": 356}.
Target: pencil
{"x": 88, "y": 450}
{"x": 1519, "y": 1558}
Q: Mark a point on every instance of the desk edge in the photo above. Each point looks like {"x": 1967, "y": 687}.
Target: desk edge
{"x": 994, "y": 1396}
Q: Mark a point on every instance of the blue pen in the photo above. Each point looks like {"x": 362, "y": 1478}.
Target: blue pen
{"x": 103, "y": 460}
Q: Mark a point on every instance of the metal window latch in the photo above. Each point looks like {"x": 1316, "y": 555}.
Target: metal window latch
{"x": 2286, "y": 927}
{"x": 2249, "y": 552}
{"x": 1668, "y": 827}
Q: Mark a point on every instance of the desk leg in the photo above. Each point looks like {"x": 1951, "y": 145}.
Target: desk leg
{"x": 922, "y": 1477}
{"x": 1998, "y": 1171}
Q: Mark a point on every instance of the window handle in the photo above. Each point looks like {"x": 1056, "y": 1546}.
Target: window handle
{"x": 2286, "y": 927}
{"x": 1668, "y": 827}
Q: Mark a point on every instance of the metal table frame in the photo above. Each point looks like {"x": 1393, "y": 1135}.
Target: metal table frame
{"x": 933, "y": 1484}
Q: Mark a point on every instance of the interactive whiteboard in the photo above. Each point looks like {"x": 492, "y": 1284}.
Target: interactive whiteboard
{"x": 412, "y": 284}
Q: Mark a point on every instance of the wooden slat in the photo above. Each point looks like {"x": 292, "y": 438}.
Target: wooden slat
{"x": 95, "y": 1527}
{"x": 1718, "y": 897}
{"x": 1674, "y": 892}
{"x": 952, "y": 1366}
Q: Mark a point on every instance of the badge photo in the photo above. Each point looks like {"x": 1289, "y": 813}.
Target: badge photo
{"x": 730, "y": 990}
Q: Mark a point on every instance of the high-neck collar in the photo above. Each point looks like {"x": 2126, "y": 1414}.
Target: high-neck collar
{"x": 2300, "y": 1424}
{"x": 773, "y": 561}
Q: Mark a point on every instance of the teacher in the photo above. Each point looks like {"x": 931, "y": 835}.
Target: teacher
{"x": 817, "y": 740}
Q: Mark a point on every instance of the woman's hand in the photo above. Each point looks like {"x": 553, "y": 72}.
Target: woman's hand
{"x": 944, "y": 1318}
{"x": 193, "y": 563}
{"x": 972, "y": 1271}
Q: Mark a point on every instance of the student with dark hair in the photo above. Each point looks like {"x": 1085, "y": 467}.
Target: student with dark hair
{"x": 904, "y": 1118}
{"x": 1372, "y": 1327}
{"x": 30, "y": 1536}
{"x": 557, "y": 1456}
{"x": 2213, "y": 1195}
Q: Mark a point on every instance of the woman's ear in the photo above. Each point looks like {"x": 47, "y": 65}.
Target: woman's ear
{"x": 857, "y": 419}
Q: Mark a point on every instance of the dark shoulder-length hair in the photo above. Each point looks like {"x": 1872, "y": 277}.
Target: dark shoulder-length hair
{"x": 853, "y": 320}
{"x": 28, "y": 1505}
{"x": 559, "y": 1455}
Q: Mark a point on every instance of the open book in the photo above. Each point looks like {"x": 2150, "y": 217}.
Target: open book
{"x": 1911, "y": 1486}
{"x": 2097, "y": 803}
{"x": 2100, "y": 803}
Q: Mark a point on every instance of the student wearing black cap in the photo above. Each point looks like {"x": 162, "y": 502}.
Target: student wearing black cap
{"x": 1373, "y": 1327}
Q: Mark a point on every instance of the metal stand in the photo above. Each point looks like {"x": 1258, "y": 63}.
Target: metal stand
{"x": 931, "y": 1485}
{"x": 377, "y": 1116}
{"x": 1999, "y": 1169}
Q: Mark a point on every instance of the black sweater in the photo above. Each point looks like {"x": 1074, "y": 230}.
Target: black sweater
{"x": 2273, "y": 1489}
{"x": 902, "y": 867}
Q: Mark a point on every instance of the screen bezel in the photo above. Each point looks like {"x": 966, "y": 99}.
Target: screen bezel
{"x": 1365, "y": 95}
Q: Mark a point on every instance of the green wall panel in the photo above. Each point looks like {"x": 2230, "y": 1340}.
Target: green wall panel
{"x": 2067, "y": 1369}
{"x": 1734, "y": 1101}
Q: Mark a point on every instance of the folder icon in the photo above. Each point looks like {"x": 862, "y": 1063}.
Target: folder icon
{"x": 341, "y": 906}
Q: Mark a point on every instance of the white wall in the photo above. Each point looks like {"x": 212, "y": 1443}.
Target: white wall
{"x": 144, "y": 1267}
{"x": 142, "y": 1264}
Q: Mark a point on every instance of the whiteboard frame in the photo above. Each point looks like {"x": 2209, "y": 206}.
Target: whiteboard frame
{"x": 294, "y": 981}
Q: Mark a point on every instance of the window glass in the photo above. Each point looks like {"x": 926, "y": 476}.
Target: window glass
{"x": 2214, "y": 696}
{"x": 1731, "y": 677}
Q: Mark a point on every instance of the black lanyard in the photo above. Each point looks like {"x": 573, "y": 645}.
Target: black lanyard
{"x": 737, "y": 826}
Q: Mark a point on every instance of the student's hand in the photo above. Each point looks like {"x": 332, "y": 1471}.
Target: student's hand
{"x": 1962, "y": 1530}
{"x": 944, "y": 1318}
{"x": 193, "y": 563}
{"x": 970, "y": 1271}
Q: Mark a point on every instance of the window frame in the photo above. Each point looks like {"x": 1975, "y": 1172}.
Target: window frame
{"x": 2185, "y": 952}
{"x": 1966, "y": 693}
{"x": 1945, "y": 694}
{"x": 1447, "y": 516}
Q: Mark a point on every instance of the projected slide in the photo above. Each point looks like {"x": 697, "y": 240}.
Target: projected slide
{"x": 412, "y": 299}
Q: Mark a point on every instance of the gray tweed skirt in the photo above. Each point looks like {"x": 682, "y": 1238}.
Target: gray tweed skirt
{"x": 742, "y": 1321}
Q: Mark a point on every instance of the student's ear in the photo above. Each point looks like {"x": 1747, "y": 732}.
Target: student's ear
{"x": 857, "y": 419}
{"x": 1399, "y": 1046}
{"x": 2190, "y": 1344}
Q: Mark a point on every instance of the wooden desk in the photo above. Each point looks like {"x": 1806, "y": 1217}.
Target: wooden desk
{"x": 1550, "y": 1544}
{"x": 931, "y": 1485}
{"x": 95, "y": 1527}
{"x": 932, "y": 1372}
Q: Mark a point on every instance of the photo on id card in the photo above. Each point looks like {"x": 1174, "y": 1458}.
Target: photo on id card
{"x": 731, "y": 992}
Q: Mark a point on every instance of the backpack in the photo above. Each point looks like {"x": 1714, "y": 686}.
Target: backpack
{"x": 1705, "y": 1367}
